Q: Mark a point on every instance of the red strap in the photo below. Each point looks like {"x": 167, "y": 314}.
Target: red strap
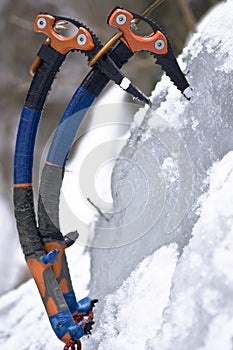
{"x": 73, "y": 345}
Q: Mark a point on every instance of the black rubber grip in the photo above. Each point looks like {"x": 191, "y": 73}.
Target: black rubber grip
{"x": 26, "y": 224}
{"x": 120, "y": 53}
{"x": 51, "y": 62}
{"x": 96, "y": 81}
{"x": 48, "y": 204}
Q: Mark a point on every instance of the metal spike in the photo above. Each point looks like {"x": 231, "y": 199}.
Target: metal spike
{"x": 70, "y": 238}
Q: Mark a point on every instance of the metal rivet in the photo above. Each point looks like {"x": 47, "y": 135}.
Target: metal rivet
{"x": 159, "y": 44}
{"x": 121, "y": 19}
{"x": 41, "y": 23}
{"x": 81, "y": 39}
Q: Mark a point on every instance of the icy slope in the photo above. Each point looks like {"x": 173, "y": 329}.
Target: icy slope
{"x": 161, "y": 172}
{"x": 200, "y": 312}
{"x": 180, "y": 303}
{"x": 128, "y": 319}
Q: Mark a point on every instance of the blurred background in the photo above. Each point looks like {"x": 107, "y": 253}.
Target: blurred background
{"x": 19, "y": 45}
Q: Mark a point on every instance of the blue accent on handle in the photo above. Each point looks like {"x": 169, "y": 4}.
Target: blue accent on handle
{"x": 71, "y": 301}
{"x": 63, "y": 323}
{"x": 78, "y": 331}
{"x": 24, "y": 149}
{"x": 83, "y": 305}
{"x": 68, "y": 126}
{"x": 50, "y": 257}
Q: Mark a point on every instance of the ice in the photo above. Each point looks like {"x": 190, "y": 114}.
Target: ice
{"x": 153, "y": 208}
{"x": 183, "y": 139}
{"x": 183, "y": 302}
{"x": 126, "y": 322}
{"x": 200, "y": 310}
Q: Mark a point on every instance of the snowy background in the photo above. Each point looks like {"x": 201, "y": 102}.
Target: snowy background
{"x": 162, "y": 262}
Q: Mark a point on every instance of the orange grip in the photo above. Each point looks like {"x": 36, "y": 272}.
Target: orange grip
{"x": 37, "y": 269}
{"x": 155, "y": 42}
{"x": 57, "y": 266}
{"x": 82, "y": 40}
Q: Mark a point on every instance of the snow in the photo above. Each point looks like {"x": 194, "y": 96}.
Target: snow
{"x": 159, "y": 181}
{"x": 10, "y": 277}
{"x": 190, "y": 134}
{"x": 161, "y": 172}
{"x": 127, "y": 319}
{"x": 200, "y": 310}
{"x": 183, "y": 301}
{"x": 162, "y": 264}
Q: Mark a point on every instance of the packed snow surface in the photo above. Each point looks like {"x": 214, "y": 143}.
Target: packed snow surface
{"x": 162, "y": 263}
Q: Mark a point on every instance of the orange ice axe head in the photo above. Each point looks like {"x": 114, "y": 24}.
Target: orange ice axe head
{"x": 156, "y": 43}
{"x": 82, "y": 40}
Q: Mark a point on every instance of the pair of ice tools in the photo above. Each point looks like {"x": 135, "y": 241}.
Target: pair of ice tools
{"x": 42, "y": 242}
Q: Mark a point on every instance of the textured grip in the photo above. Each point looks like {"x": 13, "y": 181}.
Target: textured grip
{"x": 48, "y": 209}
{"x": 51, "y": 61}
{"x": 48, "y": 205}
{"x": 26, "y": 224}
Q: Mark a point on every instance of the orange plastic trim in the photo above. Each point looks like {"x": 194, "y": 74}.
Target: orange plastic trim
{"x": 59, "y": 42}
{"x": 57, "y": 265}
{"x": 23, "y": 185}
{"x": 37, "y": 60}
{"x": 66, "y": 338}
{"x": 51, "y": 307}
{"x": 37, "y": 269}
{"x": 53, "y": 164}
{"x": 64, "y": 286}
{"x": 136, "y": 42}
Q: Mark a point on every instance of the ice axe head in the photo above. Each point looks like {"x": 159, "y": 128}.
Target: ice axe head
{"x": 156, "y": 43}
